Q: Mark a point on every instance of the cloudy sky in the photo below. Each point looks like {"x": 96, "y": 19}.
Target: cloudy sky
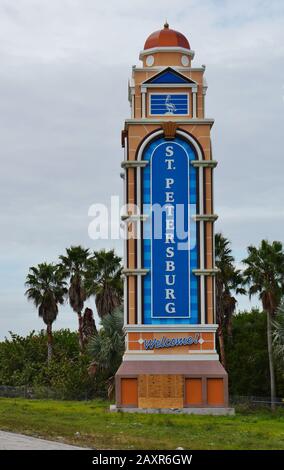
{"x": 63, "y": 98}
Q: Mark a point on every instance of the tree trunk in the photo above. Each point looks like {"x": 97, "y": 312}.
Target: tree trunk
{"x": 222, "y": 346}
{"x": 270, "y": 358}
{"x": 230, "y": 328}
{"x": 220, "y": 320}
{"x": 80, "y": 330}
{"x": 49, "y": 342}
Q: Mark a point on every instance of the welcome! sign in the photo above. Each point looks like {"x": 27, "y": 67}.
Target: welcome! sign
{"x": 171, "y": 230}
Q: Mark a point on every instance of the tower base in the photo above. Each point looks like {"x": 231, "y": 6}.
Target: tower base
{"x": 175, "y": 386}
{"x": 188, "y": 411}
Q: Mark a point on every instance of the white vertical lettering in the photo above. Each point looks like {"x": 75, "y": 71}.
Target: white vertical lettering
{"x": 170, "y": 266}
{"x": 169, "y": 182}
{"x": 170, "y": 251}
{"x": 170, "y": 196}
{"x": 170, "y": 308}
{"x": 170, "y": 238}
{"x": 170, "y": 279}
{"x": 170, "y": 162}
{"x": 170, "y": 294}
{"x": 169, "y": 151}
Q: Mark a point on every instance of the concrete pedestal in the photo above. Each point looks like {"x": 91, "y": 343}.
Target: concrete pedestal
{"x": 176, "y": 386}
{"x": 188, "y": 411}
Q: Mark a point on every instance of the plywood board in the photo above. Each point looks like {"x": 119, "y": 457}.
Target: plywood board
{"x": 160, "y": 403}
{"x": 160, "y": 391}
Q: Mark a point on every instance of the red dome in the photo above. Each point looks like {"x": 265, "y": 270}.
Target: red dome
{"x": 166, "y": 38}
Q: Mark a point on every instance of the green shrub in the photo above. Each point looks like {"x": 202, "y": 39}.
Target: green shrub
{"x": 247, "y": 357}
{"x": 23, "y": 363}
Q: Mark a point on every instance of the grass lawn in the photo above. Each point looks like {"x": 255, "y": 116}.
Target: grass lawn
{"x": 61, "y": 420}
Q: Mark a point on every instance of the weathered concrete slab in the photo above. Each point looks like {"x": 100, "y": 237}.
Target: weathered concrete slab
{"x": 188, "y": 411}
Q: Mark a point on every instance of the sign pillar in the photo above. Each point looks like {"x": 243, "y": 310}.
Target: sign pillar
{"x": 170, "y": 359}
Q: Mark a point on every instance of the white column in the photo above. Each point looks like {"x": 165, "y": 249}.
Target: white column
{"x": 132, "y": 103}
{"x": 194, "y": 103}
{"x": 143, "y": 92}
{"x": 125, "y": 301}
{"x": 139, "y": 241}
{"x": 201, "y": 246}
{"x": 202, "y": 277}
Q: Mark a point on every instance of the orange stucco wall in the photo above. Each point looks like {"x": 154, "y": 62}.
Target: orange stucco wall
{"x": 193, "y": 391}
{"x": 215, "y": 391}
{"x": 129, "y": 392}
{"x": 160, "y": 58}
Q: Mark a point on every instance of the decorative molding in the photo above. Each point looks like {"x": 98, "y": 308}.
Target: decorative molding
{"x": 207, "y": 328}
{"x": 170, "y": 85}
{"x": 205, "y": 217}
{"x": 154, "y": 50}
{"x": 179, "y": 77}
{"x": 151, "y": 356}
{"x": 180, "y": 121}
{"x": 159, "y": 68}
{"x": 135, "y": 272}
{"x": 134, "y": 163}
{"x": 204, "y": 163}
{"x": 169, "y": 129}
{"x": 134, "y": 217}
{"x": 205, "y": 272}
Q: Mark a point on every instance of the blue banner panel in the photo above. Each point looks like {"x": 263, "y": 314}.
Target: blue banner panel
{"x": 169, "y": 194}
{"x": 170, "y": 250}
{"x": 169, "y": 104}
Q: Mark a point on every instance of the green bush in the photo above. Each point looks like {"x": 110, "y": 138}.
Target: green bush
{"x": 23, "y": 362}
{"x": 247, "y": 357}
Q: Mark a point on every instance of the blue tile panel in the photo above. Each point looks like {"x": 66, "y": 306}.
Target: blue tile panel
{"x": 146, "y": 244}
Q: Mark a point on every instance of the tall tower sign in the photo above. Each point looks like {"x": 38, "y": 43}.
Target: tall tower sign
{"x": 170, "y": 359}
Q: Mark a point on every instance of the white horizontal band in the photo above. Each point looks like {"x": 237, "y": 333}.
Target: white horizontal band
{"x": 159, "y": 68}
{"x": 208, "y": 328}
{"x": 204, "y": 163}
{"x": 154, "y": 50}
{"x": 171, "y": 357}
{"x": 134, "y": 163}
{"x": 144, "y": 121}
{"x": 135, "y": 272}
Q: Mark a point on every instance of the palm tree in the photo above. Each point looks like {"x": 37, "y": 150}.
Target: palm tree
{"x": 89, "y": 325}
{"x": 278, "y": 334}
{"x": 265, "y": 276}
{"x": 74, "y": 266}
{"x": 104, "y": 281}
{"x": 107, "y": 347}
{"x": 46, "y": 289}
{"x": 228, "y": 281}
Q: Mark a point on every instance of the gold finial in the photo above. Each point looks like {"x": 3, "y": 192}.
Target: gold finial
{"x": 166, "y": 25}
